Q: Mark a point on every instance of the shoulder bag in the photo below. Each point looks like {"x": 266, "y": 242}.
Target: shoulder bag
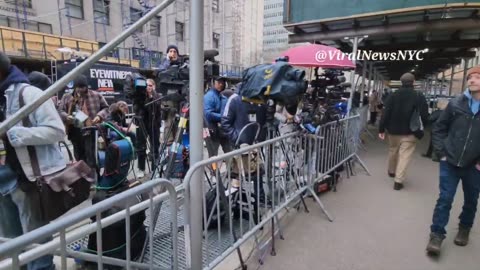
{"x": 61, "y": 191}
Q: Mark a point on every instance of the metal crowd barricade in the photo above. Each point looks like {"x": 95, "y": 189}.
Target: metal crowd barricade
{"x": 335, "y": 144}
{"x": 246, "y": 190}
{"x": 22, "y": 250}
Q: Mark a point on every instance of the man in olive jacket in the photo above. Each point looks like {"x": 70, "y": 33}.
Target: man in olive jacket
{"x": 456, "y": 142}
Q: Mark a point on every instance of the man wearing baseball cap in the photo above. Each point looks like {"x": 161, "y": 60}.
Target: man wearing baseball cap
{"x": 456, "y": 142}
{"x": 213, "y": 105}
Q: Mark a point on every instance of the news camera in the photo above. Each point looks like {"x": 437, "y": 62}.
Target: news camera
{"x": 329, "y": 77}
{"x": 135, "y": 88}
{"x": 278, "y": 82}
{"x": 173, "y": 83}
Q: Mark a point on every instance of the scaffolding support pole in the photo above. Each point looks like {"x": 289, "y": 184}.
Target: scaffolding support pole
{"x": 364, "y": 74}
{"x": 60, "y": 84}
{"x": 194, "y": 261}
{"x": 355, "y": 42}
{"x": 443, "y": 82}
{"x": 464, "y": 78}
{"x": 451, "y": 81}
{"x": 60, "y": 17}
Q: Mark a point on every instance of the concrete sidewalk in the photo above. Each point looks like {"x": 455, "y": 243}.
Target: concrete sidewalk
{"x": 375, "y": 227}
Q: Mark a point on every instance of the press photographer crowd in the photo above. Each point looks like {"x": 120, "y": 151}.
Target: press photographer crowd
{"x": 144, "y": 135}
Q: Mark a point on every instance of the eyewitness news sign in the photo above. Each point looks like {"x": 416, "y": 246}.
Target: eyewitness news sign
{"x": 107, "y": 79}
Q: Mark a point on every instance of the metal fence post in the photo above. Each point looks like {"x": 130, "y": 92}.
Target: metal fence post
{"x": 196, "y": 134}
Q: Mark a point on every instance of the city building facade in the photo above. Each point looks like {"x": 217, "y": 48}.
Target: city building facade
{"x": 233, "y": 27}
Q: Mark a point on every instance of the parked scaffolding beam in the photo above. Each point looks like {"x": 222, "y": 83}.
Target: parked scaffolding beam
{"x": 60, "y": 84}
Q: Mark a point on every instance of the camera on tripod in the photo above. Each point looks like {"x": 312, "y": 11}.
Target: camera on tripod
{"x": 330, "y": 77}
{"x": 279, "y": 83}
{"x": 173, "y": 83}
{"x": 135, "y": 88}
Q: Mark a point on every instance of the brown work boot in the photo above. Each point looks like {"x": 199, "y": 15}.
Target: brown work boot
{"x": 435, "y": 243}
{"x": 462, "y": 236}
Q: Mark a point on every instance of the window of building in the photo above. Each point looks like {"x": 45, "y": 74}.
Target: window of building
{"x": 215, "y": 6}
{"x": 155, "y": 24}
{"x": 135, "y": 15}
{"x": 28, "y": 3}
{"x": 74, "y": 8}
{"x": 101, "y": 11}
{"x": 216, "y": 40}
{"x": 4, "y": 21}
{"x": 179, "y": 31}
{"x": 45, "y": 28}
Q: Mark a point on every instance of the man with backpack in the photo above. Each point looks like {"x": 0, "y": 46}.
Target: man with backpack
{"x": 19, "y": 198}
{"x": 400, "y": 108}
{"x": 455, "y": 141}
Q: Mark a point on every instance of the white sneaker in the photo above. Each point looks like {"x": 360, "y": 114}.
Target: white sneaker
{"x": 141, "y": 174}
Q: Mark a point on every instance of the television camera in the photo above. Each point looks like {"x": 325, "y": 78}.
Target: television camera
{"x": 271, "y": 84}
{"x": 327, "y": 100}
{"x": 173, "y": 83}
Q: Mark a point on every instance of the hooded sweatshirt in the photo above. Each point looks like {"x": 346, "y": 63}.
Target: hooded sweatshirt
{"x": 473, "y": 103}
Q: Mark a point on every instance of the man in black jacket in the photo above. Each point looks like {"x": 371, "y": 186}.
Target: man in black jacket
{"x": 399, "y": 108}
{"x": 455, "y": 141}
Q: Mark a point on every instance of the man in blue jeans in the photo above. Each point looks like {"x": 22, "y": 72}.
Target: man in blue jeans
{"x": 456, "y": 142}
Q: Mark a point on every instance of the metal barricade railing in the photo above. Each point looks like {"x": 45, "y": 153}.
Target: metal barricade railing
{"x": 22, "y": 250}
{"x": 249, "y": 187}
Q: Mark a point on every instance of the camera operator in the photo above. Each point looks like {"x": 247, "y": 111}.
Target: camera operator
{"x": 73, "y": 108}
{"x": 214, "y": 105}
{"x": 169, "y": 107}
{"x": 171, "y": 59}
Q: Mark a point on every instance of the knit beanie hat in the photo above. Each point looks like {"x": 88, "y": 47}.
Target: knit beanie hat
{"x": 473, "y": 70}
{"x": 172, "y": 47}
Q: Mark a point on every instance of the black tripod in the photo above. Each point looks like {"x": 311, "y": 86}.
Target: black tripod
{"x": 273, "y": 132}
{"x": 178, "y": 126}
{"x": 142, "y": 141}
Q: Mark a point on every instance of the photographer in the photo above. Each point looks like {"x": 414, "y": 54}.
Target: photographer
{"x": 214, "y": 104}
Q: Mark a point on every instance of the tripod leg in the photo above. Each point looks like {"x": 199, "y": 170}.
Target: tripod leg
{"x": 162, "y": 152}
{"x": 321, "y": 204}
{"x": 224, "y": 200}
{"x": 282, "y": 146}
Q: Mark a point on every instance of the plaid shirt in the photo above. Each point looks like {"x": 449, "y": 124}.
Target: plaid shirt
{"x": 95, "y": 103}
